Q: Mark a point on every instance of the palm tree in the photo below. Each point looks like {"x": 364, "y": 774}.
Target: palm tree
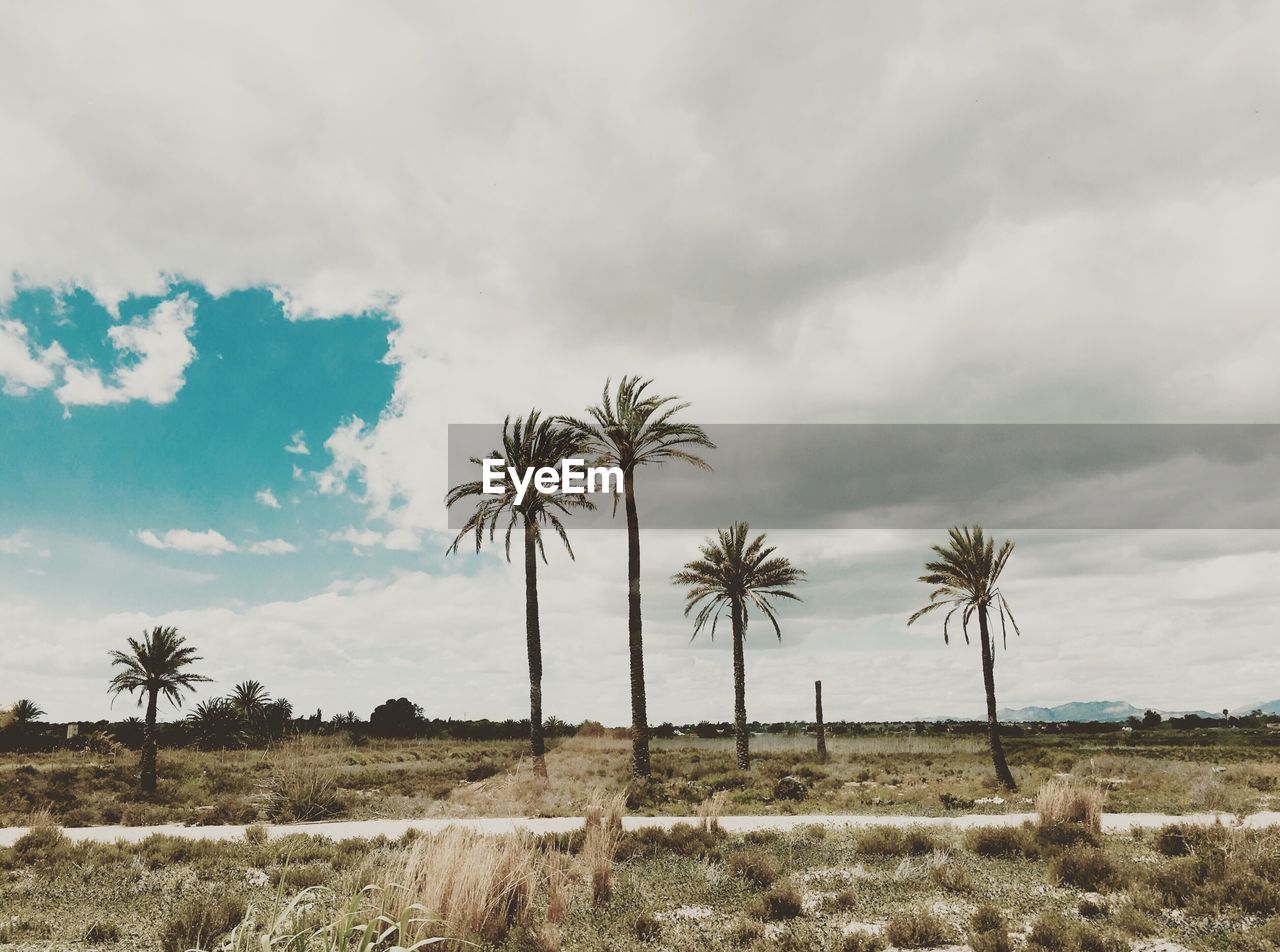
{"x": 631, "y": 429}
{"x": 216, "y": 724}
{"x": 24, "y": 712}
{"x": 737, "y": 574}
{"x": 250, "y": 700}
{"x": 530, "y": 442}
{"x": 152, "y": 667}
{"x": 965, "y": 575}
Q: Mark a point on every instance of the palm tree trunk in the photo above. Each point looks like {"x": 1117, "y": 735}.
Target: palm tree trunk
{"x": 993, "y": 725}
{"x": 740, "y": 691}
{"x": 635, "y": 639}
{"x": 822, "y": 730}
{"x": 533, "y": 638}
{"x": 147, "y": 770}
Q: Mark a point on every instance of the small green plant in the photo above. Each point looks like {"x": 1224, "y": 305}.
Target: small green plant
{"x": 201, "y": 922}
{"x": 1086, "y": 867}
{"x": 893, "y": 841}
{"x": 781, "y": 902}
{"x": 646, "y": 927}
{"x": 860, "y": 942}
{"x": 755, "y": 866}
{"x": 917, "y": 929}
{"x": 745, "y": 932}
{"x": 1002, "y": 841}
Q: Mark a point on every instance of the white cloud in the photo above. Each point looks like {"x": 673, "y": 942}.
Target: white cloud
{"x": 273, "y": 547}
{"x": 208, "y": 542}
{"x": 15, "y": 542}
{"x": 159, "y": 349}
{"x": 360, "y": 538}
{"x": 267, "y": 498}
{"x": 297, "y": 445}
{"x": 22, "y": 368}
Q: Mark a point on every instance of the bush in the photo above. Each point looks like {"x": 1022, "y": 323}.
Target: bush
{"x": 860, "y": 942}
{"x": 40, "y": 845}
{"x": 646, "y": 928}
{"x": 255, "y": 834}
{"x": 201, "y": 922}
{"x": 1053, "y": 931}
{"x": 102, "y": 932}
{"x": 781, "y": 902}
{"x": 1001, "y": 841}
{"x": 1128, "y": 918}
{"x": 1086, "y": 867}
{"x": 1060, "y": 803}
{"x": 790, "y": 788}
{"x": 755, "y": 866}
{"x": 893, "y": 841}
{"x": 917, "y": 929}
{"x": 988, "y": 931}
{"x": 746, "y": 932}
{"x": 300, "y": 788}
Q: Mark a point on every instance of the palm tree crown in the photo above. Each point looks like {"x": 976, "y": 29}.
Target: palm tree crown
{"x": 155, "y": 664}
{"x": 731, "y": 570}
{"x": 249, "y": 697}
{"x": 531, "y": 442}
{"x": 966, "y": 574}
{"x": 630, "y": 429}
{"x": 25, "y": 711}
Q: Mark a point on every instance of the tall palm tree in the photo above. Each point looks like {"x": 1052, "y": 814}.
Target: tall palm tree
{"x": 25, "y": 711}
{"x": 152, "y": 667}
{"x": 965, "y": 575}
{"x": 535, "y": 442}
{"x": 629, "y": 429}
{"x": 736, "y": 574}
{"x": 250, "y": 700}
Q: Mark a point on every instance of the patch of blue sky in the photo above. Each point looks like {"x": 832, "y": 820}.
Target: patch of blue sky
{"x": 93, "y": 478}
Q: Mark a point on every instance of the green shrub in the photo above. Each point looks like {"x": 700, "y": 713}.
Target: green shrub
{"x": 646, "y": 928}
{"x": 745, "y": 932}
{"x": 917, "y": 929}
{"x": 988, "y": 931}
{"x": 102, "y": 932}
{"x": 951, "y": 877}
{"x": 1086, "y": 867}
{"x": 201, "y": 922}
{"x": 1132, "y": 920}
{"x": 755, "y": 866}
{"x": 1053, "y": 931}
{"x": 859, "y": 942}
{"x": 781, "y": 902}
{"x": 40, "y": 845}
{"x": 894, "y": 841}
{"x": 1002, "y": 841}
{"x": 1178, "y": 880}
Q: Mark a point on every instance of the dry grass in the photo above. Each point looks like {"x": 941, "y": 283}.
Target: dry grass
{"x": 603, "y": 837}
{"x": 1060, "y": 803}
{"x": 477, "y": 886}
{"x": 709, "y": 812}
{"x": 301, "y": 787}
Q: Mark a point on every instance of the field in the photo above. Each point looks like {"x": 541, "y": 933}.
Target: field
{"x": 1058, "y": 885}
{"x": 1168, "y": 771}
{"x": 690, "y": 888}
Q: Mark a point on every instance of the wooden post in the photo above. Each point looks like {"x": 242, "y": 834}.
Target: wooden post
{"x": 822, "y": 731}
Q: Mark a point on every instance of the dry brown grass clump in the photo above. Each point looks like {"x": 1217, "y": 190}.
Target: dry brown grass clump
{"x": 477, "y": 886}
{"x": 1060, "y": 803}
{"x": 709, "y": 812}
{"x": 603, "y": 837}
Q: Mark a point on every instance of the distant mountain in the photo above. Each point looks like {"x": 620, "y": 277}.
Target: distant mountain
{"x": 1074, "y": 711}
{"x": 1101, "y": 711}
{"x": 1266, "y": 707}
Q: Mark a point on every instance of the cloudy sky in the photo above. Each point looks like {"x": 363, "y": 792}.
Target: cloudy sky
{"x": 254, "y": 262}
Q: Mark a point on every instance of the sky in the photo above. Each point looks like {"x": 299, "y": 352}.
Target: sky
{"x": 253, "y": 266}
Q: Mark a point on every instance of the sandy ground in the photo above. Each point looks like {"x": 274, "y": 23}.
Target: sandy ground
{"x": 1111, "y": 823}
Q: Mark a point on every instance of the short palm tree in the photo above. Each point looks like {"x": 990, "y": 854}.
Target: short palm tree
{"x": 965, "y": 577}
{"x": 629, "y": 429}
{"x": 25, "y": 711}
{"x": 215, "y": 724}
{"x": 156, "y": 665}
{"x": 250, "y": 700}
{"x": 736, "y": 574}
{"x": 535, "y": 442}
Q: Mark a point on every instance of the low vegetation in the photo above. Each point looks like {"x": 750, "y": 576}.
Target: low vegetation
{"x": 687, "y": 887}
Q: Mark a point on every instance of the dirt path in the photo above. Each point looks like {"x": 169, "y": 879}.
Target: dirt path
{"x": 1111, "y": 823}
